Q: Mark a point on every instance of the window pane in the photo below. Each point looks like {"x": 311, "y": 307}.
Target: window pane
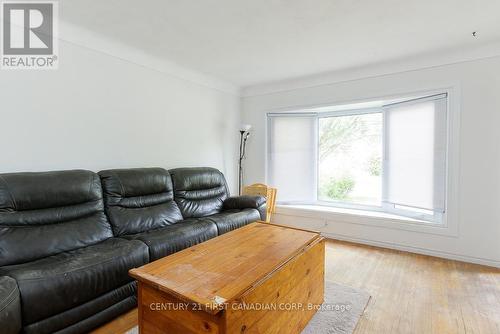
{"x": 292, "y": 156}
{"x": 350, "y": 159}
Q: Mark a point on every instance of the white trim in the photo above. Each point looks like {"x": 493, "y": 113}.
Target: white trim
{"x": 316, "y": 160}
{"x": 266, "y": 147}
{"x": 349, "y": 112}
{"x": 292, "y": 114}
{"x": 451, "y": 218}
{"x": 417, "y": 250}
{"x": 417, "y": 100}
{"x": 393, "y": 95}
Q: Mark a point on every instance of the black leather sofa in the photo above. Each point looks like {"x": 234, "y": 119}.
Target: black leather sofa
{"x": 68, "y": 238}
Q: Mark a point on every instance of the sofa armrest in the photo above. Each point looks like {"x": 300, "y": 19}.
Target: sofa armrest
{"x": 10, "y": 306}
{"x": 243, "y": 202}
{"x": 247, "y": 202}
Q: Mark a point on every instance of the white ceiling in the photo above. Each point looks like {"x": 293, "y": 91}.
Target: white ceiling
{"x": 256, "y": 41}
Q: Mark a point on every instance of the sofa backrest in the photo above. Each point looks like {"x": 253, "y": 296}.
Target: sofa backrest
{"x": 199, "y": 191}
{"x": 139, "y": 199}
{"x": 46, "y": 213}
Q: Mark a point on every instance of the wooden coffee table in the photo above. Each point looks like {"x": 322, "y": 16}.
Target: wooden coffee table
{"x": 261, "y": 278}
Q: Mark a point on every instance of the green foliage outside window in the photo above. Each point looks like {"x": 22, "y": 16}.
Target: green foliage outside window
{"x": 337, "y": 189}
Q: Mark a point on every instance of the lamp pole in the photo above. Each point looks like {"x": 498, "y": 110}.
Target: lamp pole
{"x": 244, "y": 133}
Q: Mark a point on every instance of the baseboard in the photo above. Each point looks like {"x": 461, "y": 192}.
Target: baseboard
{"x": 417, "y": 250}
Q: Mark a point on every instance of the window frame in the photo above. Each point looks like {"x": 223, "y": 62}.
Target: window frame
{"x": 385, "y": 207}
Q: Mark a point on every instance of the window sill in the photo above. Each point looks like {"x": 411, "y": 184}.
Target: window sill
{"x": 333, "y": 215}
{"x": 354, "y": 212}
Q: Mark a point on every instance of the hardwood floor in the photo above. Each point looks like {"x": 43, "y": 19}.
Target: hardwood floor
{"x": 410, "y": 293}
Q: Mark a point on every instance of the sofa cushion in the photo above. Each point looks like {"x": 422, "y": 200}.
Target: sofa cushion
{"x": 173, "y": 238}
{"x": 200, "y": 191}
{"x": 10, "y": 306}
{"x": 42, "y": 214}
{"x": 96, "y": 320}
{"x": 232, "y": 219}
{"x": 60, "y": 282}
{"x": 139, "y": 199}
{"x": 83, "y": 318}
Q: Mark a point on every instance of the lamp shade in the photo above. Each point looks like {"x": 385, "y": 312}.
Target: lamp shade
{"x": 245, "y": 127}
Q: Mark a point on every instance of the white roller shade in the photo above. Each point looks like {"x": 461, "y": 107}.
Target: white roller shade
{"x": 415, "y": 153}
{"x": 292, "y": 156}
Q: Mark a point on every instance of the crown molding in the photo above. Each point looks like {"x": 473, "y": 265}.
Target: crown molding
{"x": 414, "y": 63}
{"x": 85, "y": 38}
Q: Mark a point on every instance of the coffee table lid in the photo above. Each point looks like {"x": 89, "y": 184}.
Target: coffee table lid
{"x": 220, "y": 270}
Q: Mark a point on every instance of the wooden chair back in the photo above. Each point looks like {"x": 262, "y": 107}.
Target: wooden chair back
{"x": 260, "y": 189}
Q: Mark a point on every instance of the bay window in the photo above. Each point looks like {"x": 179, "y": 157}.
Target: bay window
{"x": 390, "y": 156}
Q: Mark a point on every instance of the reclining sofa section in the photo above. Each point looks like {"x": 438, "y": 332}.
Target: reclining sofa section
{"x": 68, "y": 238}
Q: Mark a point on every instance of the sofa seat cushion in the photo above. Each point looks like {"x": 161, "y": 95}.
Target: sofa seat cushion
{"x": 60, "y": 282}
{"x": 84, "y": 317}
{"x": 173, "y": 238}
{"x": 232, "y": 219}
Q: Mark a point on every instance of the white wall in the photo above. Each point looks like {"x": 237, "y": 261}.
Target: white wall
{"x": 478, "y": 212}
{"x": 99, "y": 111}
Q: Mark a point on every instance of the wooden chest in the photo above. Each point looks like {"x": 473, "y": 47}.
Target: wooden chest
{"x": 261, "y": 278}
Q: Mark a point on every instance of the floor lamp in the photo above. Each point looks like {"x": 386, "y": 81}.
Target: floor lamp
{"x": 244, "y": 133}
